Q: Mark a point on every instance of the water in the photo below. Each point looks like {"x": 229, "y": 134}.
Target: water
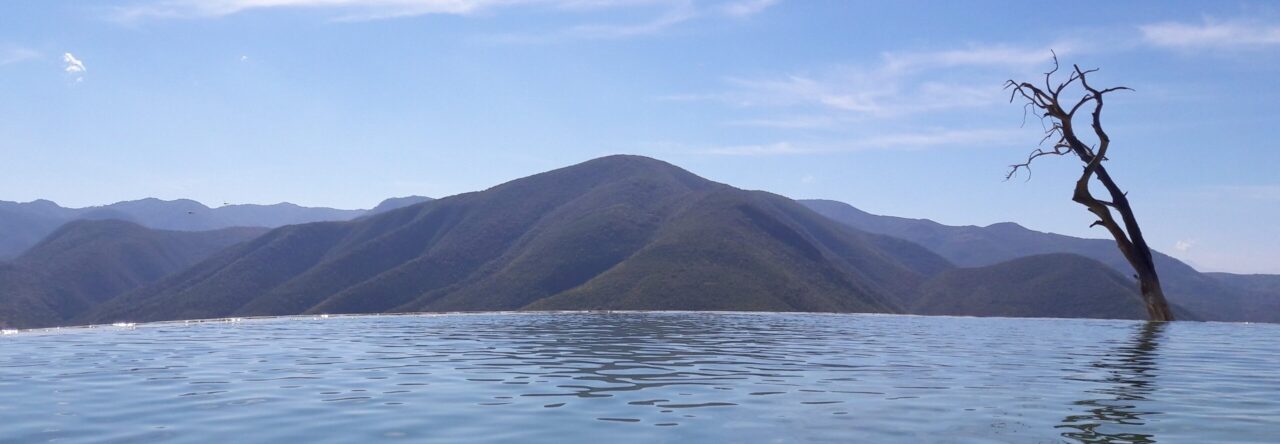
{"x": 644, "y": 377}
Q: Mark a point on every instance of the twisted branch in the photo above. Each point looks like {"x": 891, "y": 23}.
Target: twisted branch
{"x": 1062, "y": 133}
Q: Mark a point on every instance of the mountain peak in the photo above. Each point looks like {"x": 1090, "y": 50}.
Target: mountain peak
{"x": 628, "y": 162}
{"x": 398, "y": 202}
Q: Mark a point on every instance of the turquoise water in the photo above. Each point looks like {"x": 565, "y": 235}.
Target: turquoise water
{"x": 644, "y": 377}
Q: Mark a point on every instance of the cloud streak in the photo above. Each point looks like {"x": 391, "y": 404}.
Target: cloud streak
{"x": 898, "y": 84}
{"x": 909, "y": 141}
{"x": 746, "y": 8}
{"x": 73, "y": 66}
{"x": 1211, "y": 35}
{"x": 674, "y": 16}
{"x": 1266, "y": 193}
{"x": 17, "y": 54}
{"x": 384, "y": 9}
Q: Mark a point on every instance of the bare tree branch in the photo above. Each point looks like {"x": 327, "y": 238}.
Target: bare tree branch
{"x": 1128, "y": 238}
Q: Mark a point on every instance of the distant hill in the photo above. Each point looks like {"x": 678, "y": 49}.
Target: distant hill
{"x": 1261, "y": 293}
{"x": 616, "y": 232}
{"x": 621, "y": 232}
{"x": 395, "y": 203}
{"x": 87, "y": 262}
{"x": 24, "y": 224}
{"x": 1050, "y": 285}
{"x": 970, "y": 246}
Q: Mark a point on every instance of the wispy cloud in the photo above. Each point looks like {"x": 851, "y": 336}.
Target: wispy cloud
{"x": 1211, "y": 34}
{"x": 167, "y": 9}
{"x": 965, "y": 138}
{"x": 1001, "y": 56}
{"x": 746, "y": 8}
{"x": 16, "y": 54}
{"x": 898, "y": 84}
{"x": 796, "y": 122}
{"x": 1266, "y": 192}
{"x": 384, "y": 9}
{"x": 73, "y": 66}
{"x": 674, "y": 16}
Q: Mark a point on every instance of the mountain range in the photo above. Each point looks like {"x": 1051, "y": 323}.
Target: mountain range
{"x": 615, "y": 233}
{"x": 87, "y": 262}
{"x": 25, "y": 224}
{"x": 1210, "y": 296}
{"x": 620, "y": 232}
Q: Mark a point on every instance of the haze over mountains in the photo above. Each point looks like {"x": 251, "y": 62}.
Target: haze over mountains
{"x": 24, "y": 224}
{"x": 87, "y": 262}
{"x": 1211, "y": 296}
{"x": 620, "y": 232}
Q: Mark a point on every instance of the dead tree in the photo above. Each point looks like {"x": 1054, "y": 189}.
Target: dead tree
{"x": 1062, "y": 133}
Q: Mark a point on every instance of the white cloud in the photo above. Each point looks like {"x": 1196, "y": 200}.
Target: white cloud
{"x": 73, "y": 65}
{"x": 675, "y": 16}
{"x": 382, "y": 9}
{"x": 897, "y": 84}
{"x": 746, "y": 8}
{"x": 373, "y": 8}
{"x": 772, "y": 149}
{"x": 808, "y": 179}
{"x": 1211, "y": 34}
{"x": 244, "y": 58}
{"x": 1184, "y": 245}
{"x": 655, "y": 15}
{"x": 895, "y": 141}
{"x": 1269, "y": 193}
{"x": 993, "y": 56}
{"x": 803, "y": 121}
{"x": 16, "y": 54}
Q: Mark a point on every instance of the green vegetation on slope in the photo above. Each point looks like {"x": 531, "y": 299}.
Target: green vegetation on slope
{"x": 25, "y": 224}
{"x": 621, "y": 231}
{"x": 970, "y": 246}
{"x": 1050, "y": 285}
{"x": 88, "y": 262}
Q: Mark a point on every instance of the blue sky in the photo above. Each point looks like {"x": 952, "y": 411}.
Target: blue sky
{"x": 895, "y": 107}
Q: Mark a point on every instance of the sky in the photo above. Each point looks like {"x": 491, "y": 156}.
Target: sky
{"x": 894, "y": 107}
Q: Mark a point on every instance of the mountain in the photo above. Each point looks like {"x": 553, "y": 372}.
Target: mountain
{"x": 87, "y": 262}
{"x": 1264, "y": 283}
{"x": 397, "y": 203}
{"x": 1261, "y": 293}
{"x": 969, "y": 246}
{"x": 616, "y": 232}
{"x": 28, "y": 299}
{"x": 1048, "y": 285}
{"x": 24, "y": 224}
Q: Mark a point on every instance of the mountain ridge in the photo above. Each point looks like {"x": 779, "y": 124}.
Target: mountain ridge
{"x": 1201, "y": 294}
{"x": 87, "y": 262}
{"x": 603, "y": 224}
{"x": 25, "y": 224}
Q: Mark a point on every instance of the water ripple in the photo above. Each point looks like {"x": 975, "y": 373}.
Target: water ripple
{"x": 643, "y": 377}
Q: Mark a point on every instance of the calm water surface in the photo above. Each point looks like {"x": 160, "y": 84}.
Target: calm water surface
{"x": 644, "y": 377}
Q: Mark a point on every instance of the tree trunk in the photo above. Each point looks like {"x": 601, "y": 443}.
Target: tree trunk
{"x": 1126, "y": 232}
{"x": 1153, "y": 297}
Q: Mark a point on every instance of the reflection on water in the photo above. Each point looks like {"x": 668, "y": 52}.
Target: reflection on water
{"x": 1130, "y": 377}
{"x": 643, "y": 377}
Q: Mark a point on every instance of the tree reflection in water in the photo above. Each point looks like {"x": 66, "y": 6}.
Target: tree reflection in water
{"x": 1129, "y": 378}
